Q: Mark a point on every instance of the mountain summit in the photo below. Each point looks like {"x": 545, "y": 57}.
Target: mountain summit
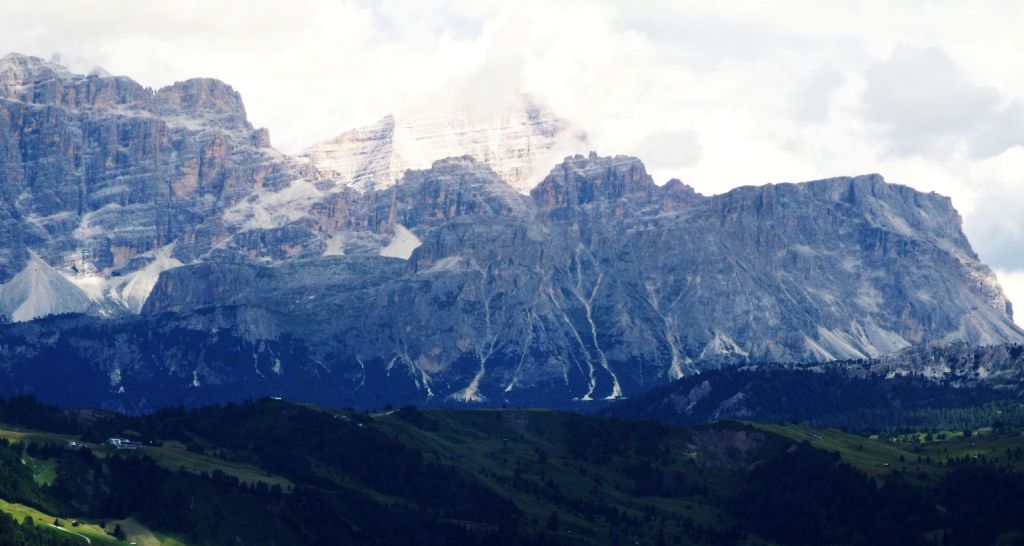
{"x": 519, "y": 142}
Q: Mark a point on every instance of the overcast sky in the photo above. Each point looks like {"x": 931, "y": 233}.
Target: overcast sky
{"x": 718, "y": 94}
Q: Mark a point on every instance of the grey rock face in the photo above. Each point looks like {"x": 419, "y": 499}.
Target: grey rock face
{"x": 449, "y": 286}
{"x": 602, "y": 284}
{"x": 959, "y": 363}
{"x": 99, "y": 173}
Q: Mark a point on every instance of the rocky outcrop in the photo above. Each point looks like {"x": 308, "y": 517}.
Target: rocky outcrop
{"x": 960, "y": 363}
{"x": 588, "y": 186}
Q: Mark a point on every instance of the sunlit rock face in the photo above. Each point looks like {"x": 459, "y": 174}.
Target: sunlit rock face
{"x": 167, "y": 213}
{"x": 519, "y": 142}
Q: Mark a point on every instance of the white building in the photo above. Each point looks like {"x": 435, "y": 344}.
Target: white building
{"x": 121, "y": 443}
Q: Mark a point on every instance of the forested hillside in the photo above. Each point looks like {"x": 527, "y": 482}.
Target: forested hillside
{"x": 273, "y": 472}
{"x": 860, "y": 402}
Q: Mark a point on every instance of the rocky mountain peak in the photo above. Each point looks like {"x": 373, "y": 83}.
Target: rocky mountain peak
{"x": 676, "y": 196}
{"x": 898, "y": 209}
{"x": 457, "y": 186}
{"x": 581, "y": 180}
{"x": 518, "y": 142}
{"x": 17, "y": 67}
{"x": 21, "y": 75}
{"x": 98, "y": 173}
{"x": 677, "y": 186}
{"x": 893, "y": 207}
{"x": 204, "y": 98}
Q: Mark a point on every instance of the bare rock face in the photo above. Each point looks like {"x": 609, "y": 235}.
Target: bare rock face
{"x": 100, "y": 174}
{"x": 963, "y": 364}
{"x": 602, "y": 284}
{"x": 167, "y": 212}
{"x": 204, "y": 99}
{"x": 581, "y": 186}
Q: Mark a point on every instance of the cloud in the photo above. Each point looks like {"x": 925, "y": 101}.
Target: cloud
{"x": 996, "y": 221}
{"x": 669, "y": 150}
{"x": 928, "y": 106}
{"x": 812, "y": 101}
{"x": 1013, "y": 285}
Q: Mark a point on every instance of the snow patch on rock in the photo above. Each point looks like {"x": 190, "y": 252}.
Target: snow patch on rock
{"x": 134, "y": 293}
{"x": 520, "y": 142}
{"x": 127, "y": 292}
{"x": 270, "y": 210}
{"x": 722, "y": 345}
{"x": 402, "y": 244}
{"x": 335, "y": 245}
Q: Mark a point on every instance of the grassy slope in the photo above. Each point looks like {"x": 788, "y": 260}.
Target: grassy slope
{"x": 140, "y": 535}
{"x": 137, "y": 533}
{"x": 919, "y": 458}
{"x": 171, "y": 455}
{"x": 15, "y": 434}
{"x": 874, "y": 457}
{"x": 44, "y": 472}
{"x": 491, "y": 445}
{"x": 96, "y": 535}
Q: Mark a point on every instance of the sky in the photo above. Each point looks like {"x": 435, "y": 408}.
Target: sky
{"x": 928, "y": 93}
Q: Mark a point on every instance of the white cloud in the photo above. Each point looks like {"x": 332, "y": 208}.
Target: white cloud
{"x": 670, "y": 150}
{"x": 930, "y": 94}
{"x": 813, "y": 99}
{"x": 995, "y": 221}
{"x": 1013, "y": 285}
{"x": 928, "y": 106}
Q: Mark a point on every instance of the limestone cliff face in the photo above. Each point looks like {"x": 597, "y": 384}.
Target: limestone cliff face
{"x": 601, "y": 283}
{"x": 168, "y": 213}
{"x": 99, "y": 173}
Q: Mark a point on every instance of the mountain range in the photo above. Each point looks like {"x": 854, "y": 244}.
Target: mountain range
{"x": 183, "y": 258}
